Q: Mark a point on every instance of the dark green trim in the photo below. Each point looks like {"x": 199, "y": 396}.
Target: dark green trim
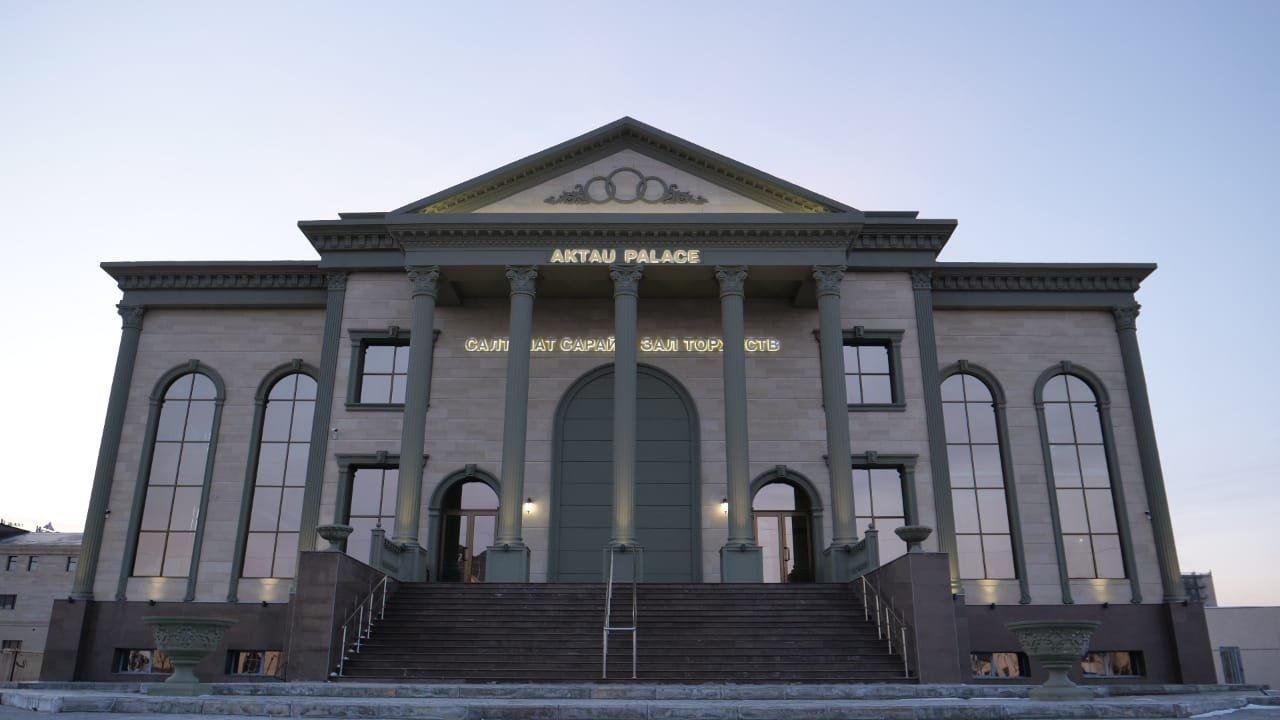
{"x": 1095, "y": 383}
{"x": 940, "y": 470}
{"x": 361, "y": 339}
{"x": 108, "y": 452}
{"x": 282, "y": 284}
{"x": 226, "y": 298}
{"x": 144, "y": 473}
{"x": 857, "y": 336}
{"x": 695, "y": 462}
{"x": 435, "y": 509}
{"x": 251, "y": 466}
{"x": 336, "y": 292}
{"x": 988, "y": 378}
{"x": 905, "y": 464}
{"x": 782, "y": 473}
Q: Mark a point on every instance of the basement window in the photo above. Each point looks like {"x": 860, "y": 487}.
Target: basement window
{"x": 139, "y": 661}
{"x": 254, "y": 662}
{"x": 999, "y": 665}
{"x": 7, "y": 602}
{"x": 1113, "y": 663}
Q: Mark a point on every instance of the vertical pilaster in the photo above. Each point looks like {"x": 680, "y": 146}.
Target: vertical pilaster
{"x": 318, "y": 454}
{"x": 741, "y": 559}
{"x": 1149, "y": 453}
{"x": 108, "y": 449}
{"x": 508, "y": 559}
{"x": 922, "y": 286}
{"x": 835, "y": 405}
{"x": 424, "y": 279}
{"x": 626, "y": 290}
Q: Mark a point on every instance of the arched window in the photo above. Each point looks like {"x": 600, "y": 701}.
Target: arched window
{"x": 175, "y": 481}
{"x": 1086, "y": 503}
{"x": 280, "y": 477}
{"x": 983, "y": 540}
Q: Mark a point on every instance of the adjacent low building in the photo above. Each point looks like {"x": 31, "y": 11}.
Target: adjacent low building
{"x": 629, "y": 341}
{"x": 37, "y": 567}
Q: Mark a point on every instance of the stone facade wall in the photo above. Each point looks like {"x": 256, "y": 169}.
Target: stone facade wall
{"x": 1017, "y": 346}
{"x": 36, "y": 590}
{"x": 242, "y": 346}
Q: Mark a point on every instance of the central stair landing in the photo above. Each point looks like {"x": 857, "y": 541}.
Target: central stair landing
{"x": 687, "y": 632}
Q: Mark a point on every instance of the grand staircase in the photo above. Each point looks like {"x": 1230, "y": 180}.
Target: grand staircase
{"x": 703, "y": 632}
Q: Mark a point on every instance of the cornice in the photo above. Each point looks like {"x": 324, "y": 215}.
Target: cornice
{"x": 568, "y": 236}
{"x": 169, "y": 278}
{"x": 1043, "y": 281}
{"x": 888, "y": 240}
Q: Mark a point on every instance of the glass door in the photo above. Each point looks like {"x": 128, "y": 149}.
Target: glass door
{"x": 467, "y": 537}
{"x": 785, "y": 546}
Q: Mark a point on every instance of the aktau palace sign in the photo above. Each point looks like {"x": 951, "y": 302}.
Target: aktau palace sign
{"x": 630, "y": 256}
{"x": 605, "y": 344}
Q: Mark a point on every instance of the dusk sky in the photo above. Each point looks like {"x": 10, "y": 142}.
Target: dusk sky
{"x": 1075, "y": 131}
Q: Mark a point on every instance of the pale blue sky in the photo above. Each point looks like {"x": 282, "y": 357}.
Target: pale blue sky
{"x": 1081, "y": 131}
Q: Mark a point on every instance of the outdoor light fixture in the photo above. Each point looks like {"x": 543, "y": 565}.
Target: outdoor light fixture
{"x": 528, "y": 506}
{"x": 724, "y": 506}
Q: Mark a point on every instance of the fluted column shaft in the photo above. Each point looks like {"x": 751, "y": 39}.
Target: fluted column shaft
{"x": 515, "y": 418}
{"x": 318, "y": 454}
{"x": 108, "y": 449}
{"x": 732, "y": 280}
{"x": 1149, "y": 453}
{"x": 413, "y": 429}
{"x": 626, "y": 290}
{"x": 835, "y": 403}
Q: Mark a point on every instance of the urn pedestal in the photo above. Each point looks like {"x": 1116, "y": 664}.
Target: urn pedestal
{"x": 913, "y": 535}
{"x": 335, "y": 535}
{"x": 1058, "y": 645}
{"x": 186, "y": 641}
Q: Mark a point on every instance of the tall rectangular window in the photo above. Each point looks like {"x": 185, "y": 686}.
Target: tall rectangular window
{"x": 33, "y": 562}
{"x": 384, "y": 368}
{"x": 373, "y": 503}
{"x": 72, "y": 562}
{"x": 878, "y": 500}
{"x": 11, "y": 564}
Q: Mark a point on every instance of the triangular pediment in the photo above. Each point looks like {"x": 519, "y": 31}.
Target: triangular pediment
{"x": 625, "y": 167}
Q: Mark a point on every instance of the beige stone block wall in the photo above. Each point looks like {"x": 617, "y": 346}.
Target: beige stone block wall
{"x": 242, "y": 346}
{"x": 1017, "y": 346}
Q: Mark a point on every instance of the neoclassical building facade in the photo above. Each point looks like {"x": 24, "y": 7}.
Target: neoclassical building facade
{"x": 627, "y": 341}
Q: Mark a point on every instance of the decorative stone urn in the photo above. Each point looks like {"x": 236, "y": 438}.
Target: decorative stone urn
{"x": 1058, "y": 645}
{"x": 913, "y": 535}
{"x": 335, "y": 534}
{"x": 186, "y": 641}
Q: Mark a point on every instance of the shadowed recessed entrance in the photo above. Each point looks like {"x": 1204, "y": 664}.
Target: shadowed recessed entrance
{"x": 666, "y": 517}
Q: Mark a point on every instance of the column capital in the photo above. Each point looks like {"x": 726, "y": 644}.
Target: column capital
{"x": 829, "y": 278}
{"x": 626, "y": 279}
{"x": 732, "y": 278}
{"x": 336, "y": 280}
{"x": 424, "y": 279}
{"x": 1126, "y": 316}
{"x": 131, "y": 316}
{"x": 922, "y": 279}
{"x": 523, "y": 279}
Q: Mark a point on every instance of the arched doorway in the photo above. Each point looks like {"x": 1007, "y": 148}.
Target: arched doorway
{"x": 788, "y": 520}
{"x": 468, "y": 516}
{"x": 667, "y": 518}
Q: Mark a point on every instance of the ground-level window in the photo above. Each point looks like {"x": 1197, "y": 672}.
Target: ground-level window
{"x": 1113, "y": 663}
{"x": 373, "y": 504}
{"x": 142, "y": 660}
{"x": 8, "y": 602}
{"x": 253, "y": 662}
{"x": 10, "y": 644}
{"x": 999, "y": 665}
{"x": 878, "y": 501}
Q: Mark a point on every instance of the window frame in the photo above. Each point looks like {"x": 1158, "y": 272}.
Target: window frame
{"x": 859, "y": 336}
{"x": 1136, "y": 659}
{"x": 260, "y": 399}
{"x": 905, "y": 465}
{"x": 11, "y": 563}
{"x": 144, "y": 473}
{"x": 1024, "y": 665}
{"x": 999, "y": 406}
{"x": 347, "y": 467}
{"x": 1103, "y": 405}
{"x": 362, "y": 339}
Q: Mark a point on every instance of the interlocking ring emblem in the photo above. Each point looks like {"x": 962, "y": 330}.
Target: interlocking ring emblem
{"x": 626, "y": 185}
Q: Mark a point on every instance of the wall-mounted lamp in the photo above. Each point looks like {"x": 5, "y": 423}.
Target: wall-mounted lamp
{"x": 528, "y": 506}
{"x": 724, "y": 506}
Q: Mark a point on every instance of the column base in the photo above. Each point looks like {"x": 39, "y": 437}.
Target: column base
{"x": 628, "y": 562}
{"x": 413, "y": 564}
{"x": 507, "y": 563}
{"x": 837, "y": 564}
{"x": 741, "y": 563}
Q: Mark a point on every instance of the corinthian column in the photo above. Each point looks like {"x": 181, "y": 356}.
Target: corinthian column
{"x": 835, "y": 405}
{"x": 740, "y": 559}
{"x": 508, "y": 559}
{"x": 108, "y": 448}
{"x": 409, "y": 491}
{"x": 626, "y": 289}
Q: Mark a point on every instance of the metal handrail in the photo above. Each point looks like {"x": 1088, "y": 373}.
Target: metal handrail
{"x": 363, "y": 614}
{"x": 608, "y": 611}
{"x": 886, "y": 618}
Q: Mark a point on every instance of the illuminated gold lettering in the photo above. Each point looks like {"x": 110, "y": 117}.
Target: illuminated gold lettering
{"x": 609, "y": 256}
